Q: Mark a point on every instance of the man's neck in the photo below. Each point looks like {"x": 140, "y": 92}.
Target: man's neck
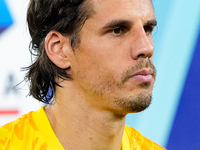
{"x": 82, "y": 127}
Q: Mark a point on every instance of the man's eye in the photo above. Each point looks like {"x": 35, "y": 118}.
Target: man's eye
{"x": 148, "y": 29}
{"x": 118, "y": 31}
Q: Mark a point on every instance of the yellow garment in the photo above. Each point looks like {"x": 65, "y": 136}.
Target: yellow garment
{"x": 33, "y": 132}
{"x": 133, "y": 140}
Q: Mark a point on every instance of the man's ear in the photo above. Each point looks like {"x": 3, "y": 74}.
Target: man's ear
{"x": 57, "y": 49}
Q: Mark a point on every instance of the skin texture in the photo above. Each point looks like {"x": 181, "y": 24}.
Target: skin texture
{"x": 116, "y": 44}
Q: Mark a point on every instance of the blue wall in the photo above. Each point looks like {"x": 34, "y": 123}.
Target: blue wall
{"x": 5, "y": 18}
{"x": 185, "y": 133}
{"x": 176, "y": 54}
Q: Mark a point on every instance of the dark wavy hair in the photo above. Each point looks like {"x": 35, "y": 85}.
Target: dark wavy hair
{"x": 64, "y": 16}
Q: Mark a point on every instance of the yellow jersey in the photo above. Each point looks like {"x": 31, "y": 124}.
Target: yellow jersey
{"x": 33, "y": 132}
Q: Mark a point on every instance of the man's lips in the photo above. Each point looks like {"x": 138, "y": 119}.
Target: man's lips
{"x": 143, "y": 76}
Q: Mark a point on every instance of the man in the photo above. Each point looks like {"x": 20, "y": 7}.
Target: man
{"x": 93, "y": 67}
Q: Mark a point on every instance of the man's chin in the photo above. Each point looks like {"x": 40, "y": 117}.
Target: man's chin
{"x": 134, "y": 104}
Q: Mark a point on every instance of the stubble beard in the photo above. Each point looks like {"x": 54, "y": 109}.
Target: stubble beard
{"x": 134, "y": 104}
{"x": 142, "y": 100}
{"x": 126, "y": 103}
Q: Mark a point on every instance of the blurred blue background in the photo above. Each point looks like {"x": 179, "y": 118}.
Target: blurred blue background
{"x": 5, "y": 18}
{"x": 173, "y": 119}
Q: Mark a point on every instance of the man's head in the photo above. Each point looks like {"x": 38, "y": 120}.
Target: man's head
{"x": 111, "y": 64}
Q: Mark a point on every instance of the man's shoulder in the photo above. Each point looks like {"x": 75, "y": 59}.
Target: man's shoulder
{"x": 18, "y": 132}
{"x": 16, "y": 125}
{"x": 138, "y": 141}
{"x": 31, "y": 131}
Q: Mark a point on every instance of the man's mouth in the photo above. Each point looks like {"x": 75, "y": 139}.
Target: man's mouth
{"x": 143, "y": 76}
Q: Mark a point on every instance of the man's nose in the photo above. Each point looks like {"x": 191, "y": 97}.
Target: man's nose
{"x": 142, "y": 44}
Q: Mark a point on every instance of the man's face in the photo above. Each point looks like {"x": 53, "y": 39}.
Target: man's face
{"x": 112, "y": 66}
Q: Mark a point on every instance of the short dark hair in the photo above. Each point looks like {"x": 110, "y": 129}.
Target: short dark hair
{"x": 64, "y": 16}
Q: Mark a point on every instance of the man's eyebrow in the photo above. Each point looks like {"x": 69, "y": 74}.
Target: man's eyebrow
{"x": 117, "y": 23}
{"x": 151, "y": 23}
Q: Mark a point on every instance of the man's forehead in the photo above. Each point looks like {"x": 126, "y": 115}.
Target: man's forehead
{"x": 111, "y": 2}
{"x": 134, "y": 4}
{"x": 138, "y": 8}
